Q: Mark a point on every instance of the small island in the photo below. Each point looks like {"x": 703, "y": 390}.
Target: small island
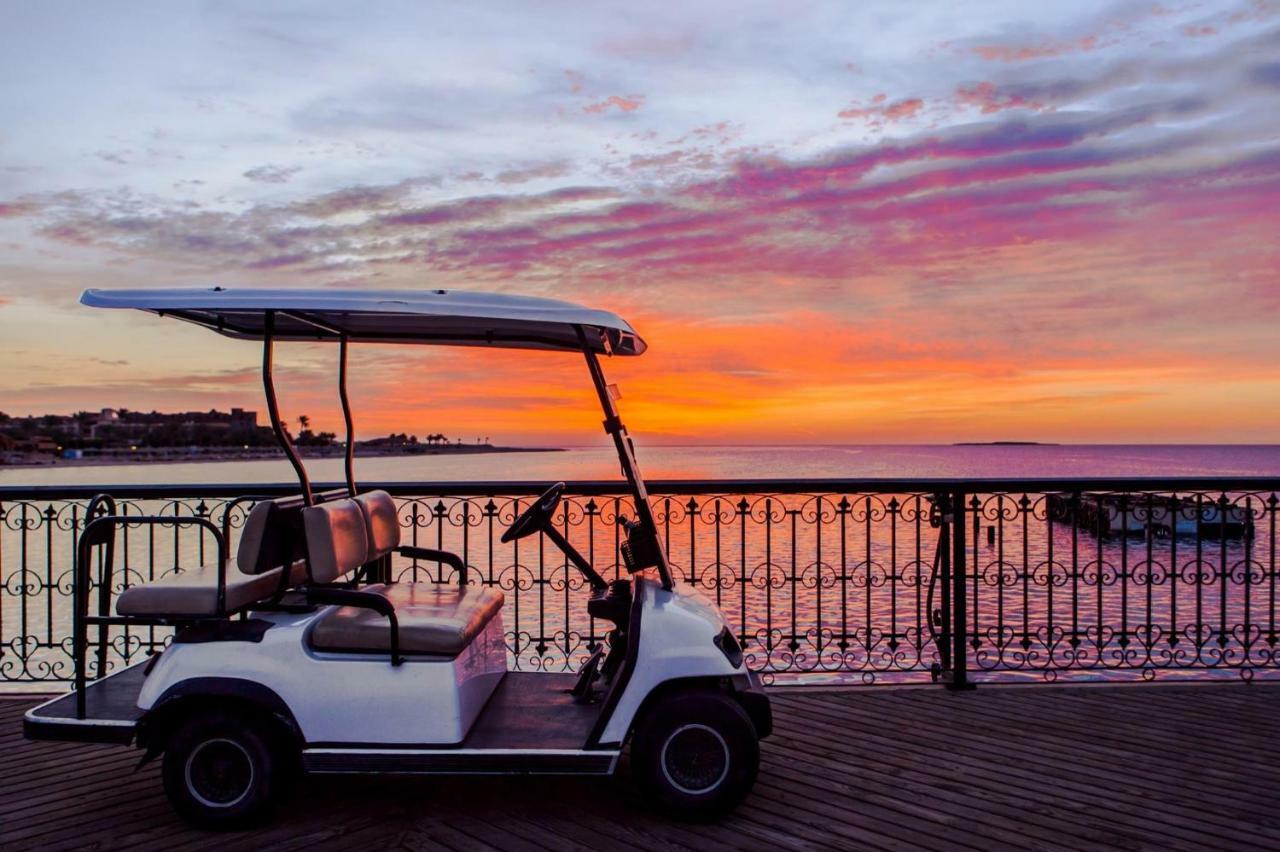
{"x": 1005, "y": 444}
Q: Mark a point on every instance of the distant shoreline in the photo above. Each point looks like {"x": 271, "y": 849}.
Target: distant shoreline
{"x": 182, "y": 457}
{"x": 1005, "y": 444}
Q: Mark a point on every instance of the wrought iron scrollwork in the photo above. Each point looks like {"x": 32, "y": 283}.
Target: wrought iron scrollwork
{"x": 819, "y": 585}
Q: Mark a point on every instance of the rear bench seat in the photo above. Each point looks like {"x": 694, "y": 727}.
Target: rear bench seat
{"x": 254, "y": 574}
{"x": 434, "y": 618}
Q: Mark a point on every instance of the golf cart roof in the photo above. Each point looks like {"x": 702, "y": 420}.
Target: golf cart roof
{"x": 441, "y": 317}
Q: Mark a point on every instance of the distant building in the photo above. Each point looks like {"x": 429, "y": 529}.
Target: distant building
{"x": 118, "y": 423}
{"x": 39, "y": 444}
{"x": 112, "y": 427}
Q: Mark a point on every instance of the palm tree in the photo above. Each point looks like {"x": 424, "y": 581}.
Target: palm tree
{"x": 304, "y": 422}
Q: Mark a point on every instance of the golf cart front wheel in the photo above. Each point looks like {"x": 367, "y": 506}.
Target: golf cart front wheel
{"x": 695, "y": 754}
{"x": 223, "y": 770}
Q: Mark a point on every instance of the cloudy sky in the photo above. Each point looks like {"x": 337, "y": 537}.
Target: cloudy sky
{"x": 831, "y": 221}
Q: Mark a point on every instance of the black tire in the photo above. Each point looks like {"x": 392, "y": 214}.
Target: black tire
{"x": 695, "y": 755}
{"x": 225, "y": 769}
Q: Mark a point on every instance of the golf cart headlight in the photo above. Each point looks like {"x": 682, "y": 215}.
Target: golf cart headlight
{"x": 728, "y": 643}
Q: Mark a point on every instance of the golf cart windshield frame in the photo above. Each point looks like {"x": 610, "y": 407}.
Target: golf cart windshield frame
{"x": 613, "y": 426}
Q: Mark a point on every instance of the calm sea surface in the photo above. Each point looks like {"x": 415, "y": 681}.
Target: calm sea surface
{"x": 816, "y": 595}
{"x": 712, "y": 462}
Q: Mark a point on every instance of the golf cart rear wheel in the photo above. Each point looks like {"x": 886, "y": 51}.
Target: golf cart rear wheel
{"x": 695, "y": 754}
{"x": 224, "y": 770}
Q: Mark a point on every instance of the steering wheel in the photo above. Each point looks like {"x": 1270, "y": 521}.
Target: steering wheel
{"x": 536, "y": 516}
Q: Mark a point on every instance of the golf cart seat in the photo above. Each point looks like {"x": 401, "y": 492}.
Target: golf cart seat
{"x": 266, "y": 546}
{"x": 434, "y": 618}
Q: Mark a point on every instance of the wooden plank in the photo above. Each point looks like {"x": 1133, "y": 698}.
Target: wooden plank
{"x": 1137, "y": 797}
{"x": 1126, "y": 738}
{"x": 1012, "y": 769}
{"x": 974, "y": 791}
{"x": 1006, "y": 819}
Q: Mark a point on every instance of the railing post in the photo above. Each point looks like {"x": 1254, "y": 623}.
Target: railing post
{"x": 959, "y": 635}
{"x": 944, "y": 579}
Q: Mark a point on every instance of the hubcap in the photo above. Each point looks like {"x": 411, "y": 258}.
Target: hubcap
{"x": 695, "y": 759}
{"x": 219, "y": 773}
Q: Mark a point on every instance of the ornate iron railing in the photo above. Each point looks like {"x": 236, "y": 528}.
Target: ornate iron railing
{"x": 867, "y": 581}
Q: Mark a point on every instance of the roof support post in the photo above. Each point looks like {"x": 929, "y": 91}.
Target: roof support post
{"x": 349, "y": 458}
{"x": 626, "y": 456}
{"x": 273, "y": 407}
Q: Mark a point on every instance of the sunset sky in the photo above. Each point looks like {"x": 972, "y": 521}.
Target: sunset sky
{"x": 832, "y": 222}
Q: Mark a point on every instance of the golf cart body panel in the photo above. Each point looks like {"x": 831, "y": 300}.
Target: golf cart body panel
{"x": 425, "y": 700}
{"x": 677, "y": 643}
{"x": 302, "y": 642}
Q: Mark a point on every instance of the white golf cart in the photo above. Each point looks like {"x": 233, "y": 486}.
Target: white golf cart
{"x": 302, "y": 653}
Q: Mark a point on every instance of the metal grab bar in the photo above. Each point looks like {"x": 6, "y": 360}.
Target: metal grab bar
{"x": 453, "y": 560}
{"x": 100, "y": 532}
{"x": 103, "y": 504}
{"x": 362, "y": 600}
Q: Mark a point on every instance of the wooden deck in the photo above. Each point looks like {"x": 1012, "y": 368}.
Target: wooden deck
{"x": 1144, "y": 766}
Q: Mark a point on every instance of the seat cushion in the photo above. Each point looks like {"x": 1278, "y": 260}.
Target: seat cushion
{"x": 434, "y": 619}
{"x": 382, "y": 520}
{"x": 337, "y": 540}
{"x": 251, "y": 537}
{"x": 271, "y": 536}
{"x": 194, "y": 592}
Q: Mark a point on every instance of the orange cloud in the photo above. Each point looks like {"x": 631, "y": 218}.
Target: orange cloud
{"x": 630, "y": 103}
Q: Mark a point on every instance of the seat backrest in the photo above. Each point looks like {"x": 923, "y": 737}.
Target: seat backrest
{"x": 272, "y": 536}
{"x": 337, "y": 539}
{"x": 382, "y": 520}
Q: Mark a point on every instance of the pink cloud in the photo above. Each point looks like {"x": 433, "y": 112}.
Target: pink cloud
{"x": 1043, "y": 50}
{"x": 880, "y": 112}
{"x": 651, "y": 46}
{"x": 989, "y": 99}
{"x": 354, "y": 199}
{"x": 14, "y": 209}
{"x": 630, "y": 103}
{"x": 823, "y": 229}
